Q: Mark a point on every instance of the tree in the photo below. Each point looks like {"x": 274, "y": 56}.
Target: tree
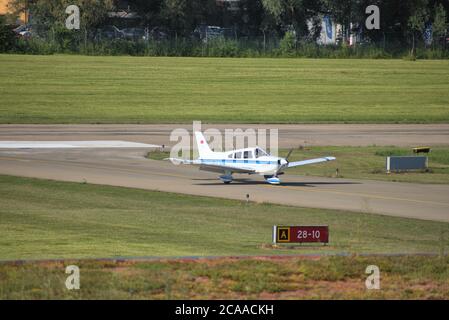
{"x": 175, "y": 13}
{"x": 249, "y": 17}
{"x": 416, "y": 23}
{"x": 294, "y": 14}
{"x": 51, "y": 13}
{"x": 274, "y": 8}
{"x": 440, "y": 25}
{"x": 149, "y": 10}
{"x": 8, "y": 38}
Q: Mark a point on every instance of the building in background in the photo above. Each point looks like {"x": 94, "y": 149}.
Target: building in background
{"x": 3, "y": 6}
{"x": 23, "y": 16}
{"x": 330, "y": 31}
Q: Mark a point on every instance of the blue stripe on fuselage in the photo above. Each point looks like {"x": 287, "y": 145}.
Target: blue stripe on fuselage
{"x": 226, "y": 161}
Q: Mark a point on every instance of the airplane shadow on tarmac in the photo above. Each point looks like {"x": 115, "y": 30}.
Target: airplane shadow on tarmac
{"x": 215, "y": 182}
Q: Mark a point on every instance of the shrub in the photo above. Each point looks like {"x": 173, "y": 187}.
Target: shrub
{"x": 222, "y": 47}
{"x": 8, "y": 39}
{"x": 287, "y": 46}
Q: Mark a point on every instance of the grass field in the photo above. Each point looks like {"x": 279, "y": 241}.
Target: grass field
{"x": 361, "y": 163}
{"x": 369, "y": 163}
{"x": 82, "y": 89}
{"x": 411, "y": 277}
{"x": 42, "y": 219}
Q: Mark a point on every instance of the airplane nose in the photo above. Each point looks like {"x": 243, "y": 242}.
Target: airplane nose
{"x": 283, "y": 162}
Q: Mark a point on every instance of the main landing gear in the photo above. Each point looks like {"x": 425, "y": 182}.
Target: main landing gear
{"x": 226, "y": 178}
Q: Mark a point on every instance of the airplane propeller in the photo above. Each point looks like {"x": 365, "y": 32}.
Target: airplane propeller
{"x": 285, "y": 165}
{"x": 288, "y": 155}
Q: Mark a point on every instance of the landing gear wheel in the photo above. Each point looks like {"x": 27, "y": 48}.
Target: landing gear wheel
{"x": 226, "y": 178}
{"x": 272, "y": 180}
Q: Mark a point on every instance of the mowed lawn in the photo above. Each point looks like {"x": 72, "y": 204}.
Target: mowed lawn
{"x": 42, "y": 219}
{"x": 369, "y": 163}
{"x": 82, "y": 89}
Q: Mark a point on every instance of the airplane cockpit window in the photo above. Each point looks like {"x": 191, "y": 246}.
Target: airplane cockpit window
{"x": 231, "y": 156}
{"x": 247, "y": 155}
{"x": 260, "y": 153}
{"x": 238, "y": 155}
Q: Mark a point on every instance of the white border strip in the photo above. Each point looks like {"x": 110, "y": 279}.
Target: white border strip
{"x": 73, "y": 144}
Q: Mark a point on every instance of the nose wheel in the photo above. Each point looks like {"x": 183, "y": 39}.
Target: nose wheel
{"x": 272, "y": 180}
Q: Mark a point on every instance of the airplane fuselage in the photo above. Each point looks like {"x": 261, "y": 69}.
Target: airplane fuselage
{"x": 244, "y": 159}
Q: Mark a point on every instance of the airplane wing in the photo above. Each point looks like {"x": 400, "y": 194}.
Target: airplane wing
{"x": 311, "y": 161}
{"x": 211, "y": 167}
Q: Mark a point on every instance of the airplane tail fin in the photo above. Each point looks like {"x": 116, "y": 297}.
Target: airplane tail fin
{"x": 203, "y": 148}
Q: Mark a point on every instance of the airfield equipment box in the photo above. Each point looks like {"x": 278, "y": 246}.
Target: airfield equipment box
{"x": 421, "y": 150}
{"x": 300, "y": 234}
{"x": 404, "y": 163}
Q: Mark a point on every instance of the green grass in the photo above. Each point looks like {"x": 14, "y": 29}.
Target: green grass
{"x": 369, "y": 163}
{"x": 42, "y": 219}
{"x": 410, "y": 277}
{"x": 82, "y": 89}
{"x": 361, "y": 163}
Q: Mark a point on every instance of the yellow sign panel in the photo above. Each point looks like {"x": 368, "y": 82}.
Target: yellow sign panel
{"x": 283, "y": 234}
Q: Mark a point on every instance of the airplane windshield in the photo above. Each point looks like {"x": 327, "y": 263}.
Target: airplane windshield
{"x": 260, "y": 153}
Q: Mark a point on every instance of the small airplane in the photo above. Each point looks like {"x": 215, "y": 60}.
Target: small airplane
{"x": 249, "y": 160}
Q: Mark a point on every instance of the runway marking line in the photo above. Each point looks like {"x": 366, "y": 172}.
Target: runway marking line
{"x": 266, "y": 186}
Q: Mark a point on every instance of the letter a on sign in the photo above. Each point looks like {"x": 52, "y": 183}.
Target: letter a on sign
{"x": 283, "y": 235}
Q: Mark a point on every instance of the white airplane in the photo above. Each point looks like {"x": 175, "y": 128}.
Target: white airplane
{"x": 249, "y": 160}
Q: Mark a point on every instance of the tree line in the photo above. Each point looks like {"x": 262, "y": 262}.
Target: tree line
{"x": 297, "y": 22}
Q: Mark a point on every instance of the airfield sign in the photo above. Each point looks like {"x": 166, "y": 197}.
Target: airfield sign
{"x": 300, "y": 234}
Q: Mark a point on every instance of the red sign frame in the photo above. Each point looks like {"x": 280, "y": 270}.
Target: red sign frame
{"x": 301, "y": 234}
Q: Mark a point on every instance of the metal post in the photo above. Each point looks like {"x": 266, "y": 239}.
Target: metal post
{"x": 274, "y": 234}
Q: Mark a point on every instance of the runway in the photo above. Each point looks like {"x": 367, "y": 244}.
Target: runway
{"x": 289, "y": 135}
{"x": 128, "y": 167}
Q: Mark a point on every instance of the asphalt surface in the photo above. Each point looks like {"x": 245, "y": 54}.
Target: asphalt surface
{"x": 127, "y": 167}
{"x": 289, "y": 135}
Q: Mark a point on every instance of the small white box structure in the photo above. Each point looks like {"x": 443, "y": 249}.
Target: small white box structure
{"x": 405, "y": 163}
